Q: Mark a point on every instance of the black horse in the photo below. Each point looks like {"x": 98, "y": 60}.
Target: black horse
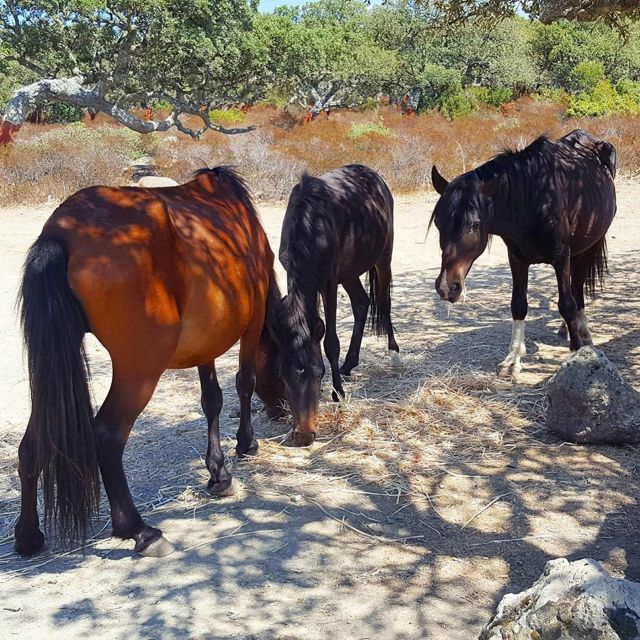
{"x": 336, "y": 227}
{"x": 551, "y": 203}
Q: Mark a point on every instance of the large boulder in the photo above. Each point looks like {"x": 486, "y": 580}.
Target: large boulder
{"x": 589, "y": 402}
{"x": 570, "y": 601}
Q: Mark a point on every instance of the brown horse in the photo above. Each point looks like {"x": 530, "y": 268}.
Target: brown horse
{"x": 164, "y": 278}
{"x": 551, "y": 203}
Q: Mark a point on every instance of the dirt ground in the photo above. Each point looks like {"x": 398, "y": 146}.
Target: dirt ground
{"x": 431, "y": 492}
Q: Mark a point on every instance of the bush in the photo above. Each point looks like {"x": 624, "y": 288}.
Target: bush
{"x": 54, "y": 164}
{"x": 586, "y": 76}
{"x": 603, "y": 100}
{"x": 550, "y": 94}
{"x": 493, "y": 96}
{"x": 437, "y": 83}
{"x": 462, "y": 103}
{"x": 227, "y": 116}
{"x": 365, "y": 129}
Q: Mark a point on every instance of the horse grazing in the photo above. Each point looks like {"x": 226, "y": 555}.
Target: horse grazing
{"x": 551, "y": 203}
{"x": 336, "y": 227}
{"x": 164, "y": 278}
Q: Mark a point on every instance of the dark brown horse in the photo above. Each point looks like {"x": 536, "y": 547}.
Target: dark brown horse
{"x": 551, "y": 203}
{"x": 336, "y": 228}
{"x": 164, "y": 278}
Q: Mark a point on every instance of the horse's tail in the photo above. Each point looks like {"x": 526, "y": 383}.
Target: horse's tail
{"x": 379, "y": 304}
{"x": 597, "y": 269}
{"x": 54, "y": 324}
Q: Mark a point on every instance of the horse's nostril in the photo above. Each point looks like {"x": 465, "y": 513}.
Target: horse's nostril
{"x": 455, "y": 287}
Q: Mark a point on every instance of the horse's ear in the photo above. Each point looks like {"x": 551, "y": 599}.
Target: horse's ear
{"x": 489, "y": 188}
{"x": 318, "y": 330}
{"x": 439, "y": 183}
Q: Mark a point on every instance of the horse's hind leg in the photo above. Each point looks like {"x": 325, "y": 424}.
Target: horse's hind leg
{"x": 29, "y": 538}
{"x": 383, "y": 272}
{"x": 567, "y": 304}
{"x": 212, "y": 405}
{"x": 128, "y": 396}
{"x": 360, "y": 305}
{"x": 579, "y": 268}
{"x": 331, "y": 341}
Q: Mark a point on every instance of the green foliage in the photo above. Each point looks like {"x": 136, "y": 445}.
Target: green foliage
{"x": 587, "y": 75}
{"x": 366, "y": 129}
{"x": 550, "y": 94}
{"x": 437, "y": 84}
{"x": 603, "y": 100}
{"x": 458, "y": 105}
{"x": 493, "y": 96}
{"x": 227, "y": 116}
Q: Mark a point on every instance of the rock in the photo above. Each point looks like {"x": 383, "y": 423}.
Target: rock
{"x": 156, "y": 181}
{"x": 589, "y": 402}
{"x": 570, "y": 601}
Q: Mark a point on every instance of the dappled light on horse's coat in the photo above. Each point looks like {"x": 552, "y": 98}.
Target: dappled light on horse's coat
{"x": 336, "y": 228}
{"x": 164, "y": 278}
{"x": 551, "y": 203}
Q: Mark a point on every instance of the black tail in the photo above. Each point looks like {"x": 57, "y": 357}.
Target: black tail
{"x": 597, "y": 270}
{"x": 54, "y": 324}
{"x": 379, "y": 304}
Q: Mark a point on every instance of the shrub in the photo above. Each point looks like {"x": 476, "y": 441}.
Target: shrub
{"x": 550, "y": 94}
{"x": 227, "y": 116}
{"x": 438, "y": 83}
{"x": 586, "y": 76}
{"x": 603, "y": 100}
{"x": 54, "y": 164}
{"x": 459, "y": 104}
{"x": 365, "y": 129}
{"x": 493, "y": 96}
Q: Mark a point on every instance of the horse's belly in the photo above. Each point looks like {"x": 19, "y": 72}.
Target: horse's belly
{"x": 210, "y": 327}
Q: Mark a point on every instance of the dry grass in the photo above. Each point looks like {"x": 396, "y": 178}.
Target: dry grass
{"x": 50, "y": 163}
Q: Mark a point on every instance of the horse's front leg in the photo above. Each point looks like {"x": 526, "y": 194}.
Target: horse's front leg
{"x": 211, "y": 401}
{"x": 245, "y": 385}
{"x": 566, "y": 302}
{"x": 331, "y": 341}
{"x": 512, "y": 364}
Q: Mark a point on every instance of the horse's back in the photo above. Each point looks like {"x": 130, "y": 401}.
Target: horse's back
{"x": 171, "y": 273}
{"x": 343, "y": 218}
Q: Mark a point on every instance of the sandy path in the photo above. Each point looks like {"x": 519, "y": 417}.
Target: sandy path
{"x": 276, "y": 561}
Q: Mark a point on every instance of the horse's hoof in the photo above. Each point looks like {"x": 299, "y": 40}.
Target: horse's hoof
{"x": 222, "y": 488}
{"x": 159, "y": 548}
{"x": 396, "y": 361}
{"x": 251, "y": 450}
{"x": 30, "y": 547}
{"x": 303, "y": 439}
{"x": 346, "y": 369}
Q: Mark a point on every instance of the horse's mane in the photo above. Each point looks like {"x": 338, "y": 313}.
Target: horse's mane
{"x": 234, "y": 180}
{"x": 308, "y": 257}
{"x": 513, "y": 176}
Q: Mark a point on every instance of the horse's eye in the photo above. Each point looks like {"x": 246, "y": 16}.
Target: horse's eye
{"x": 475, "y": 225}
{"x": 300, "y": 372}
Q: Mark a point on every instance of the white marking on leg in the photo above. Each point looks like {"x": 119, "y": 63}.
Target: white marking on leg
{"x": 396, "y": 360}
{"x": 517, "y": 350}
{"x": 583, "y": 326}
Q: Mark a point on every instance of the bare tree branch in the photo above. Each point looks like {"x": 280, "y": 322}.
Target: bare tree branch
{"x": 73, "y": 91}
